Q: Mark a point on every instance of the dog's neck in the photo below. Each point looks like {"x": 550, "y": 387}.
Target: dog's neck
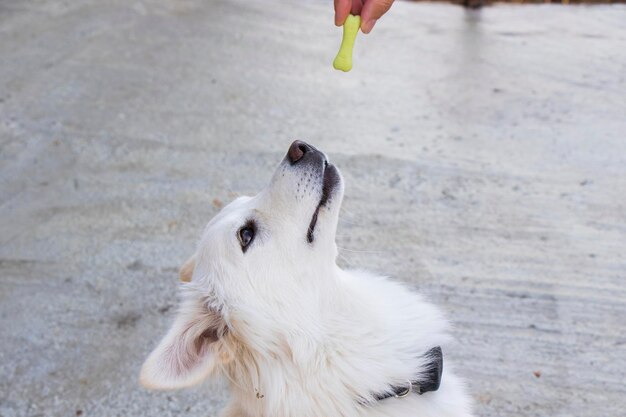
{"x": 278, "y": 358}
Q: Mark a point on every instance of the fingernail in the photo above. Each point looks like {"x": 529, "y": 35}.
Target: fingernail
{"x": 368, "y": 26}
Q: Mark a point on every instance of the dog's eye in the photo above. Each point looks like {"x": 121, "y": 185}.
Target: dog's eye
{"x": 246, "y": 235}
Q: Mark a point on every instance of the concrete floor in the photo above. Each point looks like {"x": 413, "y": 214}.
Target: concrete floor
{"x": 484, "y": 153}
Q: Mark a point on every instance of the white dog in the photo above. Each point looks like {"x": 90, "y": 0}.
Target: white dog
{"x": 296, "y": 336}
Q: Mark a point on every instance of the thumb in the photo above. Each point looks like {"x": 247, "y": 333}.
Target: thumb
{"x": 372, "y": 11}
{"x": 342, "y": 10}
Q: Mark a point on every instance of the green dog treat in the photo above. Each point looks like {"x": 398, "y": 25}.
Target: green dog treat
{"x": 343, "y": 60}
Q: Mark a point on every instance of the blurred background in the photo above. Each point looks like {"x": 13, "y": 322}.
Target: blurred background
{"x": 484, "y": 153}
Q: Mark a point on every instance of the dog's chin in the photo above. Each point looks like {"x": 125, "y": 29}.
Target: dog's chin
{"x": 331, "y": 185}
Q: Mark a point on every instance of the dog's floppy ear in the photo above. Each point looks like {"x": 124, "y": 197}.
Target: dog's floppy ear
{"x": 189, "y": 350}
{"x": 186, "y": 271}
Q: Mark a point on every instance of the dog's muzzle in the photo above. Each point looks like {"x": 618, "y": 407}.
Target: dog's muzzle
{"x": 303, "y": 155}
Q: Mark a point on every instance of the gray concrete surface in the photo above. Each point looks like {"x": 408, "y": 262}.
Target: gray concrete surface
{"x": 484, "y": 153}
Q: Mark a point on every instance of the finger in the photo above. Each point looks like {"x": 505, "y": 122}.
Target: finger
{"x": 366, "y": 27}
{"x": 372, "y": 11}
{"x": 342, "y": 10}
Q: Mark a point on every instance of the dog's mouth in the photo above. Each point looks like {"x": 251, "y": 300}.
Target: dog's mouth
{"x": 330, "y": 181}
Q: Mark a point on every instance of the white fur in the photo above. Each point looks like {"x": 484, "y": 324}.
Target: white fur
{"x": 295, "y": 335}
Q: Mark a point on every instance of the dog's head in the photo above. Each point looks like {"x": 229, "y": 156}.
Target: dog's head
{"x": 258, "y": 276}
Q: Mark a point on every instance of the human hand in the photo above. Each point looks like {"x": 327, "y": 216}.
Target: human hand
{"x": 370, "y": 11}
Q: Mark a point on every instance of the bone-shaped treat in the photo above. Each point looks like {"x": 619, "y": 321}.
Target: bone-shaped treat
{"x": 343, "y": 60}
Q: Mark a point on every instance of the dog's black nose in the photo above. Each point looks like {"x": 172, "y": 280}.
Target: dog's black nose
{"x": 297, "y": 150}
